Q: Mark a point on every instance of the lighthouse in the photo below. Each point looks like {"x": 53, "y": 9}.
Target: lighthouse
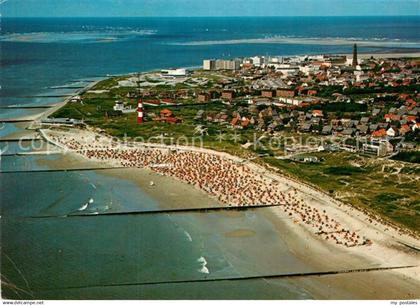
{"x": 140, "y": 112}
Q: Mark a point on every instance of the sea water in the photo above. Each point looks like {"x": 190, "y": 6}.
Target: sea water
{"x": 104, "y": 257}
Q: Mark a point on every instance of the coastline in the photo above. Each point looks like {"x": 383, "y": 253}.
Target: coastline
{"x": 170, "y": 193}
{"x": 385, "y": 250}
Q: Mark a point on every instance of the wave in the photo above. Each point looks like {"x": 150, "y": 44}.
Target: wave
{"x": 188, "y": 236}
{"x": 81, "y": 36}
{"x": 203, "y": 263}
{"x": 371, "y": 42}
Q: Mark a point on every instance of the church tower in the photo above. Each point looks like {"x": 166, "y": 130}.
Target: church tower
{"x": 355, "y": 62}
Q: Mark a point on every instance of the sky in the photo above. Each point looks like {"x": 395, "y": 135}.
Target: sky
{"x": 183, "y": 8}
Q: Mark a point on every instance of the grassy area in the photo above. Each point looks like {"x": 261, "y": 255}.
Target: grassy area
{"x": 99, "y": 113}
{"x": 408, "y": 156}
{"x": 368, "y": 183}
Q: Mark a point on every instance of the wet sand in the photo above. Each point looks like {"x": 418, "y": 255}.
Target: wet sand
{"x": 240, "y": 233}
{"x": 170, "y": 193}
{"x": 324, "y": 256}
{"x": 22, "y": 132}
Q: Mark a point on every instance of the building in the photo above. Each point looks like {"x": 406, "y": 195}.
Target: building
{"x": 62, "y": 121}
{"x": 175, "y": 72}
{"x": 355, "y": 62}
{"x": 317, "y": 113}
{"x": 203, "y": 97}
{"x": 122, "y": 107}
{"x": 391, "y": 132}
{"x": 209, "y": 64}
{"x": 378, "y": 148}
{"x": 167, "y": 116}
{"x": 221, "y": 64}
{"x": 267, "y": 93}
{"x": 285, "y": 92}
{"x": 257, "y": 61}
{"x": 228, "y": 64}
{"x": 326, "y": 130}
{"x": 76, "y": 99}
{"x": 227, "y": 94}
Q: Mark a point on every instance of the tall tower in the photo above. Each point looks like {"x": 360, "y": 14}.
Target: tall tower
{"x": 140, "y": 113}
{"x": 355, "y": 62}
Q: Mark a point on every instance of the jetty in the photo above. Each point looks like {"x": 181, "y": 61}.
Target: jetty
{"x": 17, "y": 120}
{"x": 163, "y": 211}
{"x": 32, "y": 153}
{"x": 245, "y": 277}
{"x": 61, "y": 170}
{"x": 23, "y": 139}
{"x": 66, "y": 87}
{"x": 27, "y": 107}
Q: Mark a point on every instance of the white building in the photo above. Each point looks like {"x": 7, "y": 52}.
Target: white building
{"x": 228, "y": 64}
{"x": 257, "y": 61}
{"x": 76, "y": 99}
{"x": 221, "y": 64}
{"x": 378, "y": 148}
{"x": 209, "y": 64}
{"x": 175, "y": 72}
{"x": 120, "y": 106}
{"x": 391, "y": 132}
{"x": 287, "y": 69}
{"x": 308, "y": 69}
{"x": 289, "y": 101}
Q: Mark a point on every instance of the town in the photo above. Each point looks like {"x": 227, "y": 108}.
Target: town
{"x": 370, "y": 104}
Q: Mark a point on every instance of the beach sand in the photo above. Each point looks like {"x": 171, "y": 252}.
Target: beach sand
{"x": 386, "y": 250}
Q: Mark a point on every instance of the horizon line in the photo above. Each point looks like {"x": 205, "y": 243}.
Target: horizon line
{"x": 233, "y": 16}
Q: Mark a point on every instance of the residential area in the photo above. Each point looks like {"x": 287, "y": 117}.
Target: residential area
{"x": 370, "y": 104}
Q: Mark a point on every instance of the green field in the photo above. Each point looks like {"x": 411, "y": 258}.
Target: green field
{"x": 387, "y": 187}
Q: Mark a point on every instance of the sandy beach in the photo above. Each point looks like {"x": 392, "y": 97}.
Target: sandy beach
{"x": 323, "y": 232}
{"x": 348, "y": 239}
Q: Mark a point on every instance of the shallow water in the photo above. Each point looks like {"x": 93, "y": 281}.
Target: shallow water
{"x": 72, "y": 252}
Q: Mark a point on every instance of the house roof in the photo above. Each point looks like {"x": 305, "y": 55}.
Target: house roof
{"x": 379, "y": 133}
{"x": 166, "y": 112}
{"x": 327, "y": 129}
{"x": 245, "y": 122}
{"x": 348, "y": 131}
{"x": 234, "y": 121}
{"x": 392, "y": 117}
{"x": 411, "y": 118}
{"x": 364, "y": 128}
{"x": 405, "y": 128}
{"x": 317, "y": 112}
